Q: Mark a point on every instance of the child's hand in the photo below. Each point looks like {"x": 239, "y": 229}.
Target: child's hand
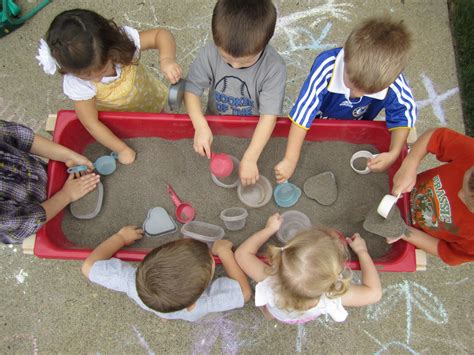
{"x": 127, "y": 156}
{"x": 78, "y": 159}
{"x": 77, "y": 188}
{"x": 130, "y": 234}
{"x": 202, "y": 141}
{"x": 357, "y": 244}
{"x": 274, "y": 222}
{"x": 404, "y": 179}
{"x": 171, "y": 69}
{"x": 248, "y": 172}
{"x": 284, "y": 170}
{"x": 381, "y": 162}
{"x": 220, "y": 246}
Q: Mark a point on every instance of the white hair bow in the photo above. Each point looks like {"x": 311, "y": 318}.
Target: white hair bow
{"x": 45, "y": 59}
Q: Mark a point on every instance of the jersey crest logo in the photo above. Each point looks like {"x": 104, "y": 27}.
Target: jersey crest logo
{"x": 359, "y": 111}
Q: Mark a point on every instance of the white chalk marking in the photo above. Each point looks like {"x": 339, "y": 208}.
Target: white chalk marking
{"x": 142, "y": 341}
{"x": 300, "y": 337}
{"x": 20, "y": 277}
{"x": 434, "y": 99}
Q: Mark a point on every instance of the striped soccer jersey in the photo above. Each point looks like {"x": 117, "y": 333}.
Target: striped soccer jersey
{"x": 324, "y": 95}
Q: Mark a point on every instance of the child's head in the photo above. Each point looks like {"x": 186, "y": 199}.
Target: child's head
{"x": 173, "y": 276}
{"x": 85, "y": 44}
{"x": 242, "y": 29}
{"x": 466, "y": 194}
{"x": 309, "y": 265}
{"x": 375, "y": 53}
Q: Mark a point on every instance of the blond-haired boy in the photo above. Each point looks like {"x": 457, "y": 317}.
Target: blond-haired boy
{"x": 355, "y": 83}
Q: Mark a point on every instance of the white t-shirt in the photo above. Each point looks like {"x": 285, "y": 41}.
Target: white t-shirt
{"x": 78, "y": 89}
{"x": 264, "y": 296}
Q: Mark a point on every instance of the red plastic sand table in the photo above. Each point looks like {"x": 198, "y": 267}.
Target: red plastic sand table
{"x": 51, "y": 241}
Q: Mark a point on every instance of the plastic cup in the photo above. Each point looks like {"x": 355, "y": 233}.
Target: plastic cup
{"x": 230, "y": 181}
{"x": 105, "y": 165}
{"x": 256, "y": 195}
{"x": 362, "y": 154}
{"x": 221, "y": 165}
{"x": 204, "y": 232}
{"x": 175, "y": 95}
{"x": 286, "y": 194}
{"x": 234, "y": 218}
{"x": 293, "y": 223}
{"x": 386, "y": 205}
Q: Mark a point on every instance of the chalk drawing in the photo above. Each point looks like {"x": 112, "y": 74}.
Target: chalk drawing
{"x": 393, "y": 346}
{"x": 300, "y": 337}
{"x": 457, "y": 282}
{"x": 142, "y": 341}
{"x": 415, "y": 297}
{"x": 20, "y": 277}
{"x": 434, "y": 99}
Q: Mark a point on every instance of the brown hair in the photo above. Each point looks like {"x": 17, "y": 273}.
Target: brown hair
{"x": 174, "y": 275}
{"x": 309, "y": 265}
{"x": 470, "y": 182}
{"x": 83, "y": 41}
{"x": 243, "y": 27}
{"x": 376, "y": 52}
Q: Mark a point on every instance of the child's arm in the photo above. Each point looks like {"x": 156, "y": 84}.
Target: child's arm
{"x": 371, "y": 290}
{"x": 405, "y": 178}
{"x": 125, "y": 236}
{"x": 422, "y": 240}
{"x": 163, "y": 41}
{"x": 246, "y": 254}
{"x": 47, "y": 149}
{"x": 248, "y": 170}
{"x": 203, "y": 134}
{"x": 285, "y": 168}
{"x": 87, "y": 112}
{"x": 72, "y": 190}
{"x": 223, "y": 249}
{"x": 384, "y": 160}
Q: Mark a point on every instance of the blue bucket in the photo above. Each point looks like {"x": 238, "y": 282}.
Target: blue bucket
{"x": 286, "y": 194}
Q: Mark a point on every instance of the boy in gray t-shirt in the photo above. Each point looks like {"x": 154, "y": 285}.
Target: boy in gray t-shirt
{"x": 244, "y": 74}
{"x": 174, "y": 281}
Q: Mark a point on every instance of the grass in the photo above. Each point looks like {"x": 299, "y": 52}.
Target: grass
{"x": 462, "y": 27}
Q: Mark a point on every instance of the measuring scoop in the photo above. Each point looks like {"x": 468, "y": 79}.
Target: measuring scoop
{"x": 105, "y": 165}
{"x": 184, "y": 211}
{"x": 221, "y": 165}
{"x": 386, "y": 205}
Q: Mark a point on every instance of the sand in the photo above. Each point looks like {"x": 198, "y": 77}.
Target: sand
{"x": 360, "y": 163}
{"x": 133, "y": 189}
{"x": 322, "y": 188}
{"x": 391, "y": 227}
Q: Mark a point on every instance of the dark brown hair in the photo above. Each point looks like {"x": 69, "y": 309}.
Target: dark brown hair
{"x": 174, "y": 275}
{"x": 376, "y": 52}
{"x": 243, "y": 27}
{"x": 83, "y": 41}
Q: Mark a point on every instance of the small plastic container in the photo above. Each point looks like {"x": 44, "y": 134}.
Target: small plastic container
{"x": 286, "y": 194}
{"x": 158, "y": 222}
{"x": 256, "y": 195}
{"x": 85, "y": 208}
{"x": 293, "y": 223}
{"x": 361, "y": 154}
{"x": 175, "y": 95}
{"x": 204, "y": 232}
{"x": 230, "y": 181}
{"x": 234, "y": 218}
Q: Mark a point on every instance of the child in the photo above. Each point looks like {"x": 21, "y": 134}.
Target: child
{"x": 307, "y": 276}
{"x": 442, "y": 199}
{"x": 23, "y": 204}
{"x": 355, "y": 83}
{"x": 100, "y": 63}
{"x": 244, "y": 74}
{"x": 174, "y": 281}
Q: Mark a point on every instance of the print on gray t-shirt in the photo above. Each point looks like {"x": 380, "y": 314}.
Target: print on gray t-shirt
{"x": 255, "y": 90}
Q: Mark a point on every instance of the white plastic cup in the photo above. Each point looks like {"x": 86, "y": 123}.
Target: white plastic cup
{"x": 386, "y": 205}
{"x": 234, "y": 218}
{"x": 362, "y": 154}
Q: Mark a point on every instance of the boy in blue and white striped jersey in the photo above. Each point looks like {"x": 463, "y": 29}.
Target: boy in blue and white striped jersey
{"x": 355, "y": 83}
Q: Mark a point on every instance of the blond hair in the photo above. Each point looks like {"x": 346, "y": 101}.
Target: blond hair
{"x": 173, "y": 276}
{"x": 376, "y": 52}
{"x": 309, "y": 265}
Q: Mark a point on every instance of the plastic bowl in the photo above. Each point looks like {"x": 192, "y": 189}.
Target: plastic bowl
{"x": 234, "y": 218}
{"x": 361, "y": 154}
{"x": 256, "y": 195}
{"x": 204, "y": 232}
{"x": 230, "y": 181}
{"x": 286, "y": 194}
{"x": 293, "y": 223}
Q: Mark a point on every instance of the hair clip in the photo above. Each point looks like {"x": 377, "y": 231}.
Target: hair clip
{"x": 45, "y": 59}
{"x": 282, "y": 248}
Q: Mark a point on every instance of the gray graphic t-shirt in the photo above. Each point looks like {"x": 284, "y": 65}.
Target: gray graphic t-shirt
{"x": 222, "y": 294}
{"x": 255, "y": 90}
